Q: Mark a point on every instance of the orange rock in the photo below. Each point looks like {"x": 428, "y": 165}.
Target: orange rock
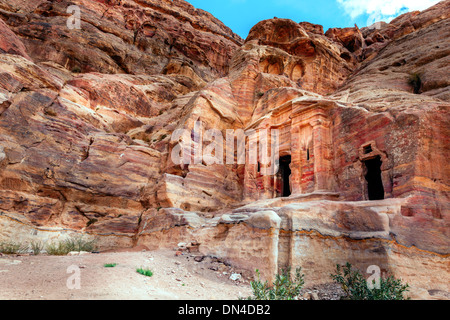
{"x": 87, "y": 116}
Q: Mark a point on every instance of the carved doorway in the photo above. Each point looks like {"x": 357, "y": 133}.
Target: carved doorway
{"x": 375, "y": 189}
{"x": 285, "y": 173}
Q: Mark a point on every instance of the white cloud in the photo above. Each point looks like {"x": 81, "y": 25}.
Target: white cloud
{"x": 383, "y": 10}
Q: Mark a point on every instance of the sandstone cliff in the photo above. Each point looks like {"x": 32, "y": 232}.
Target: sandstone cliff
{"x": 86, "y": 118}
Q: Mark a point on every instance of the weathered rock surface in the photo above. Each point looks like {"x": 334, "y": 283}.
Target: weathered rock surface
{"x": 10, "y": 43}
{"x": 126, "y": 36}
{"x": 87, "y": 117}
{"x": 317, "y": 64}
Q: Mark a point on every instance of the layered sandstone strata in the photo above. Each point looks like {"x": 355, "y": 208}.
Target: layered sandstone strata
{"x": 87, "y": 117}
{"x": 122, "y": 36}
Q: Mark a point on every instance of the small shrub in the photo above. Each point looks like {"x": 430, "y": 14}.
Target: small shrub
{"x": 87, "y": 245}
{"x": 77, "y": 243}
{"x": 37, "y": 247}
{"x": 11, "y": 247}
{"x": 110, "y": 265}
{"x": 356, "y": 287}
{"x": 284, "y": 286}
{"x": 415, "y": 80}
{"x": 76, "y": 69}
{"x": 70, "y": 244}
{"x": 57, "y": 248}
{"x": 145, "y": 272}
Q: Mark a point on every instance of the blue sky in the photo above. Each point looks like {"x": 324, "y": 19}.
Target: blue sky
{"x": 242, "y": 15}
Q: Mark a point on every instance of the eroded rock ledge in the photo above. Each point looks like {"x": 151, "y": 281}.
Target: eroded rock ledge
{"x": 86, "y": 119}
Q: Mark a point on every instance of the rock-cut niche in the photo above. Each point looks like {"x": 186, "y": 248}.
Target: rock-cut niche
{"x": 285, "y": 173}
{"x": 375, "y": 189}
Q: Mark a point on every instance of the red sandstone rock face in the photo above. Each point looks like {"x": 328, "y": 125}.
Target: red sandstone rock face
{"x": 350, "y": 38}
{"x": 365, "y": 43}
{"x": 10, "y": 43}
{"x": 86, "y": 119}
{"x": 392, "y": 68}
{"x": 320, "y": 65}
{"x": 136, "y": 37}
{"x": 313, "y": 28}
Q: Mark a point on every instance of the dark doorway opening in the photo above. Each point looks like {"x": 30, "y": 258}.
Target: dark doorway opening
{"x": 375, "y": 187}
{"x": 285, "y": 172}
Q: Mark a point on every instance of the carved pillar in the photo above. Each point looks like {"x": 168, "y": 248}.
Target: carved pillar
{"x": 322, "y": 164}
{"x": 295, "y": 160}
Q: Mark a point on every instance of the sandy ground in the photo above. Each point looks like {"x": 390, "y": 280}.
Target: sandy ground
{"x": 28, "y": 277}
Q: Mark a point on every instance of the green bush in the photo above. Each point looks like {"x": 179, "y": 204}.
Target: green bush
{"x": 76, "y": 69}
{"x": 11, "y": 247}
{"x": 415, "y": 80}
{"x": 356, "y": 287}
{"x": 110, "y": 265}
{"x": 284, "y": 286}
{"x": 145, "y": 272}
{"x": 37, "y": 247}
{"x": 77, "y": 243}
{"x": 57, "y": 248}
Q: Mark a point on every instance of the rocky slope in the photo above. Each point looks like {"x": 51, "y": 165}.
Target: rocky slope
{"x": 86, "y": 118}
{"x": 121, "y": 36}
{"x": 83, "y": 90}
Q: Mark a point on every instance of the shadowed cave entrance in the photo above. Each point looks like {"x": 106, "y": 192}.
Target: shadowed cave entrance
{"x": 375, "y": 189}
{"x": 285, "y": 172}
